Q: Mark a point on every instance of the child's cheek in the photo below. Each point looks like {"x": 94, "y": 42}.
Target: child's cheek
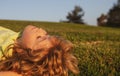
{"x": 28, "y": 40}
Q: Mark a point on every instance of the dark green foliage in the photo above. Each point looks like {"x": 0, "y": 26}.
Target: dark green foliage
{"x": 97, "y": 48}
{"x": 112, "y": 19}
{"x": 76, "y": 15}
{"x": 101, "y": 21}
{"x": 114, "y": 15}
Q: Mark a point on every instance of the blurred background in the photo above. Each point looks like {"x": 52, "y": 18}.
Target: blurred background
{"x": 56, "y": 11}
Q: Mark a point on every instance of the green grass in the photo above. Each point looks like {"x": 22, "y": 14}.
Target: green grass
{"x": 97, "y": 48}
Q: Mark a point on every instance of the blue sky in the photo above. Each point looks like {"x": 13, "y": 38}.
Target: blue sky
{"x": 52, "y": 10}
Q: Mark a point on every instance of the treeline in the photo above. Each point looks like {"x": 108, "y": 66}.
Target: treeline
{"x": 112, "y": 18}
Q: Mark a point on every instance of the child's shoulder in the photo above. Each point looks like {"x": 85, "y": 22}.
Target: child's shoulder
{"x": 3, "y": 28}
{"x": 7, "y": 37}
{"x": 7, "y": 34}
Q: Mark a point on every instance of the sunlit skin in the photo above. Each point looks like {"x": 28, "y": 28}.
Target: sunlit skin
{"x": 9, "y": 73}
{"x": 35, "y": 38}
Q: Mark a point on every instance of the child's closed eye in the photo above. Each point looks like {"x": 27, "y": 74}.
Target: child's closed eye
{"x": 38, "y": 37}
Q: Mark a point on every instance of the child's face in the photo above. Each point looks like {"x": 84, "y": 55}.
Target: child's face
{"x": 35, "y": 38}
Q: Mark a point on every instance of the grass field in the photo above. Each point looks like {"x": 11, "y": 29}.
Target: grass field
{"x": 97, "y": 48}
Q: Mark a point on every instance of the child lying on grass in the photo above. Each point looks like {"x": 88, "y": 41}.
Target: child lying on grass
{"x": 35, "y": 53}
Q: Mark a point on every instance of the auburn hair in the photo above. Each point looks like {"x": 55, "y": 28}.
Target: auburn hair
{"x": 55, "y": 61}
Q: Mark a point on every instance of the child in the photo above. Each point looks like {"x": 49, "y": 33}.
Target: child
{"x": 36, "y": 53}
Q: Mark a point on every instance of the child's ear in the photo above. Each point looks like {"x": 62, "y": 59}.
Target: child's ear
{"x": 55, "y": 40}
{"x": 66, "y": 45}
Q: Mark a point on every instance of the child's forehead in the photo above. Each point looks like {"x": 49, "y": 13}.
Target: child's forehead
{"x": 30, "y": 28}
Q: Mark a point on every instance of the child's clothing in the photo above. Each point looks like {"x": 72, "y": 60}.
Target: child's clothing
{"x": 7, "y": 37}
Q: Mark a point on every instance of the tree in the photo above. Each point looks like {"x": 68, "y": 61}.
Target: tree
{"x": 118, "y": 3}
{"x": 101, "y": 21}
{"x": 114, "y": 15}
{"x": 76, "y": 15}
